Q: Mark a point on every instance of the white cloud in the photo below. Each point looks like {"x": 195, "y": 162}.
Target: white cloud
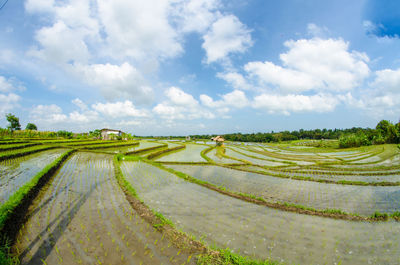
{"x": 235, "y": 79}
{"x": 178, "y": 97}
{"x": 8, "y": 102}
{"x": 234, "y": 99}
{"x": 181, "y": 106}
{"x": 295, "y": 103}
{"x": 316, "y": 31}
{"x": 10, "y": 84}
{"x": 48, "y": 114}
{"x": 60, "y": 44}
{"x": 139, "y": 29}
{"x": 119, "y": 109}
{"x": 116, "y": 81}
{"x": 8, "y": 99}
{"x": 387, "y": 80}
{"x": 79, "y": 103}
{"x": 313, "y": 64}
{"x": 5, "y": 85}
{"x": 39, "y": 6}
{"x": 227, "y": 35}
{"x": 196, "y": 15}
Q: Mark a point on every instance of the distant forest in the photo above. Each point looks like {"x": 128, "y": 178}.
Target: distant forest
{"x": 384, "y": 132}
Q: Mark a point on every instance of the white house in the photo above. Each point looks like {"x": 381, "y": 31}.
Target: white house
{"x": 108, "y": 134}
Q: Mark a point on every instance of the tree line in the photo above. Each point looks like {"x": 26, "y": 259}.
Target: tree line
{"x": 384, "y": 132}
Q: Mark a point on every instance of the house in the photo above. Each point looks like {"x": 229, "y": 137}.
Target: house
{"x": 109, "y": 134}
{"x": 219, "y": 140}
{"x": 188, "y": 138}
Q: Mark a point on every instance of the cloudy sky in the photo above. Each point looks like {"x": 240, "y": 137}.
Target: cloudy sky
{"x": 176, "y": 67}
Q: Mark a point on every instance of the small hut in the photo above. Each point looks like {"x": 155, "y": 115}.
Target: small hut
{"x": 109, "y": 134}
{"x": 219, "y": 140}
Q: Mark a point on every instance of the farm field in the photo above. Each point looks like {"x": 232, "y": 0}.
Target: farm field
{"x": 278, "y": 202}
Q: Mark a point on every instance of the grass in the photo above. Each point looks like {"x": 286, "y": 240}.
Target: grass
{"x": 164, "y": 151}
{"x": 24, "y": 152}
{"x": 227, "y": 257}
{"x": 204, "y": 154}
{"x": 5, "y": 256}
{"x": 144, "y": 150}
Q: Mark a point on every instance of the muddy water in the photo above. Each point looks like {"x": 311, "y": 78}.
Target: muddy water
{"x": 190, "y": 154}
{"x": 262, "y": 232}
{"x": 14, "y": 173}
{"x": 364, "y": 200}
{"x": 84, "y": 218}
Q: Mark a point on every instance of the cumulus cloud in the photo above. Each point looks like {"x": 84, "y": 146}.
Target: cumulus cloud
{"x": 8, "y": 102}
{"x": 387, "y": 80}
{"x": 236, "y": 80}
{"x": 139, "y": 28}
{"x": 48, "y": 116}
{"x": 116, "y": 81}
{"x": 313, "y": 64}
{"x": 295, "y": 103}
{"x": 8, "y": 99}
{"x": 181, "y": 106}
{"x": 48, "y": 113}
{"x": 317, "y": 31}
{"x": 227, "y": 35}
{"x": 234, "y": 99}
{"x": 80, "y": 104}
{"x": 119, "y": 109}
{"x": 196, "y": 15}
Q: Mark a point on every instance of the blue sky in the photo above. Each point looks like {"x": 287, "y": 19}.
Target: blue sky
{"x": 174, "y": 67}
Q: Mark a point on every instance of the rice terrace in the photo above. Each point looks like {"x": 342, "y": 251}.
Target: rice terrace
{"x": 181, "y": 201}
{"x": 199, "y": 132}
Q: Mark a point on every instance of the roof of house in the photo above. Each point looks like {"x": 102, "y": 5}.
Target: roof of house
{"x": 110, "y": 130}
{"x": 218, "y": 138}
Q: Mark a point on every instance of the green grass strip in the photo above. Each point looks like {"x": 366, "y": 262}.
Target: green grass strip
{"x": 144, "y": 150}
{"x": 24, "y": 152}
{"x": 104, "y": 146}
{"x": 165, "y": 151}
{"x": 204, "y": 154}
{"x": 16, "y": 146}
{"x": 227, "y": 257}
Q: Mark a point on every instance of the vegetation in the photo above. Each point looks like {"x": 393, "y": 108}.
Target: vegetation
{"x": 14, "y": 122}
{"x": 385, "y": 132}
{"x": 31, "y": 126}
{"x": 227, "y": 257}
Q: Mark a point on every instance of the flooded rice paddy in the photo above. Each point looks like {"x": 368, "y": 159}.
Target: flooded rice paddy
{"x": 190, "y": 154}
{"x": 83, "y": 217}
{"x": 14, "y": 173}
{"x": 259, "y": 231}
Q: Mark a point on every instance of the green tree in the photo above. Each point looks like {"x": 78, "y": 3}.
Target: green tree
{"x": 14, "y": 122}
{"x": 31, "y": 126}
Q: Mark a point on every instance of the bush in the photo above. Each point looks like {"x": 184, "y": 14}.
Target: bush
{"x": 354, "y": 140}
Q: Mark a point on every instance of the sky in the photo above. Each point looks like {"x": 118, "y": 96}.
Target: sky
{"x": 178, "y": 67}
